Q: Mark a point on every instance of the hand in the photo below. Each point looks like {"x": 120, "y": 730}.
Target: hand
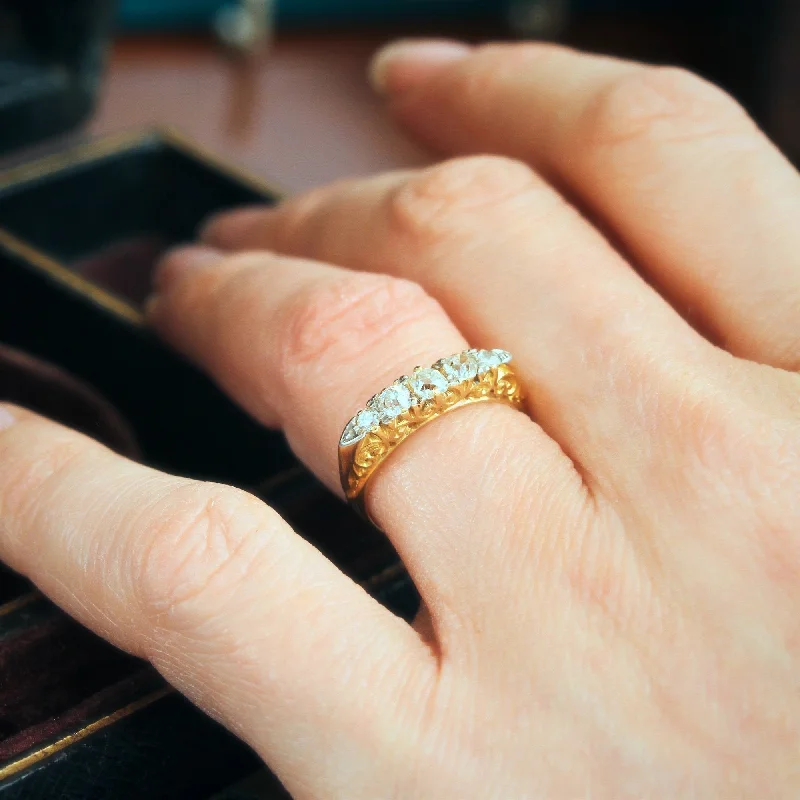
{"x": 611, "y": 585}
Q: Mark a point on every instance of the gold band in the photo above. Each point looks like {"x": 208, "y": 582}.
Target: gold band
{"x": 414, "y": 401}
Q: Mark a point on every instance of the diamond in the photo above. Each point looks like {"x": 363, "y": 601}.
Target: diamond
{"x": 391, "y": 402}
{"x": 503, "y": 355}
{"x": 358, "y": 427}
{"x": 459, "y": 368}
{"x": 487, "y": 360}
{"x": 426, "y": 384}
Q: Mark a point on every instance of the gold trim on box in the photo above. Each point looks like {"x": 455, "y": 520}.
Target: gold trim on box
{"x": 107, "y": 145}
{"x": 62, "y": 274}
{"x": 96, "y": 151}
{"x": 23, "y": 763}
{"x": 78, "y": 154}
{"x": 182, "y": 142}
{"x": 20, "y": 602}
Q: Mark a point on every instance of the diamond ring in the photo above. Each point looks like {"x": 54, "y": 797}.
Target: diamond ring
{"x": 414, "y": 400}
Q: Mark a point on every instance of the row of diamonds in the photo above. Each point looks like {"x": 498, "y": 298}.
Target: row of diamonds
{"x": 420, "y": 386}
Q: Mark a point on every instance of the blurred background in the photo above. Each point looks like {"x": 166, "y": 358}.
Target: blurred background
{"x": 279, "y": 88}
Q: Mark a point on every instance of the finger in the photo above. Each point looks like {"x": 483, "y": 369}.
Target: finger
{"x": 695, "y": 193}
{"x": 514, "y": 265}
{"x": 304, "y": 345}
{"x": 209, "y": 584}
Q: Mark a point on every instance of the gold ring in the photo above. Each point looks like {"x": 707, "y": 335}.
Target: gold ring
{"x": 391, "y": 416}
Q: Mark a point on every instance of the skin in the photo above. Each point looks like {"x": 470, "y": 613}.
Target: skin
{"x": 611, "y": 582}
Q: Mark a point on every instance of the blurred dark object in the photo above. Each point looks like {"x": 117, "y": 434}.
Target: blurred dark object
{"x": 193, "y": 14}
{"x": 109, "y": 210}
{"x": 260, "y": 786}
{"x": 78, "y": 210}
{"x": 52, "y": 56}
{"x": 527, "y": 17}
{"x": 729, "y": 42}
{"x": 48, "y": 390}
{"x": 782, "y": 107}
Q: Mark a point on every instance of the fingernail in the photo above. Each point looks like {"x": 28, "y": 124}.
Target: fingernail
{"x": 403, "y": 64}
{"x": 177, "y": 262}
{"x": 7, "y": 419}
{"x": 228, "y": 228}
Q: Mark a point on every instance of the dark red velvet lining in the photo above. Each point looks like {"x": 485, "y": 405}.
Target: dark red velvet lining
{"x": 125, "y": 268}
{"x": 107, "y": 701}
{"x": 53, "y": 675}
{"x": 49, "y": 390}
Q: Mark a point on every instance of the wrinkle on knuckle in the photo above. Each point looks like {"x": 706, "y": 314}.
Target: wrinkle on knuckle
{"x": 333, "y": 323}
{"x": 660, "y": 105}
{"x": 447, "y": 200}
{"x": 205, "y": 542}
{"x": 702, "y": 426}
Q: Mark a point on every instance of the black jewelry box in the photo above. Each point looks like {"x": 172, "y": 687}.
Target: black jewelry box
{"x": 79, "y": 233}
{"x": 52, "y": 55}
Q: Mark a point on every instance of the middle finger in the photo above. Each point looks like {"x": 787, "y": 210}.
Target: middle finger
{"x": 511, "y": 261}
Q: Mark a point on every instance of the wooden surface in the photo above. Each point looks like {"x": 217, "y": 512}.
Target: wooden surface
{"x": 303, "y": 116}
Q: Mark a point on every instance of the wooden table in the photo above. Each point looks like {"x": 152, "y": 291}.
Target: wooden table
{"x": 303, "y": 116}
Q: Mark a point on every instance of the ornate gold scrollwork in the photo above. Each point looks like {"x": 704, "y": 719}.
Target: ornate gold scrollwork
{"x": 499, "y": 383}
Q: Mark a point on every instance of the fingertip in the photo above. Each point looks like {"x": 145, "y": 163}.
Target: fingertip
{"x": 179, "y": 261}
{"x": 404, "y": 64}
{"x": 231, "y": 229}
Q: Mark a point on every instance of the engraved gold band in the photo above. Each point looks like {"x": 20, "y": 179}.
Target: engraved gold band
{"x": 391, "y": 416}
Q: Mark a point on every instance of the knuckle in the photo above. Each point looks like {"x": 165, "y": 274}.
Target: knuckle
{"x": 760, "y": 459}
{"x": 342, "y": 319}
{"x": 193, "y": 559}
{"x": 661, "y": 104}
{"x": 444, "y": 201}
{"x": 758, "y": 454}
{"x": 714, "y": 431}
{"x": 779, "y": 487}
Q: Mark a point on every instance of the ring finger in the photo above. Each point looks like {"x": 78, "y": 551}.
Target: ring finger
{"x": 303, "y": 345}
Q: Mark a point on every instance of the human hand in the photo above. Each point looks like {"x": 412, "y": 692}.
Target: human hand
{"x": 611, "y": 586}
